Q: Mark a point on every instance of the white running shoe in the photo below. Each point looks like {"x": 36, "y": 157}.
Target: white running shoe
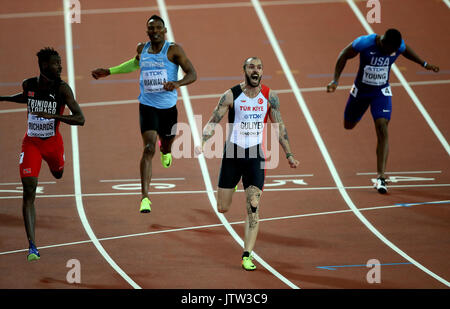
{"x": 380, "y": 185}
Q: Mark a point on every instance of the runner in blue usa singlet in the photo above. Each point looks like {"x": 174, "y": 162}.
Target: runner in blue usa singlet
{"x": 371, "y": 86}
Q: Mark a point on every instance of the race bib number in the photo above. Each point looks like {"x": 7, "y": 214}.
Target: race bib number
{"x": 154, "y": 80}
{"x": 375, "y": 76}
{"x": 40, "y": 127}
{"x": 387, "y": 91}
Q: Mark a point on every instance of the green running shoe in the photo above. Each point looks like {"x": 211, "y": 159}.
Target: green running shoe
{"x": 247, "y": 263}
{"x": 166, "y": 159}
{"x": 145, "y": 205}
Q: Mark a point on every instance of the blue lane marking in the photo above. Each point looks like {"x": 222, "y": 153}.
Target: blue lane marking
{"x": 424, "y": 203}
{"x": 333, "y": 267}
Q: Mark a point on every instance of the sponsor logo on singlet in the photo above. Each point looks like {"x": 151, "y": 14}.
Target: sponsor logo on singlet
{"x": 249, "y": 120}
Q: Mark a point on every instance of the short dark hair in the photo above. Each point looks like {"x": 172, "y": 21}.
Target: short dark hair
{"x": 157, "y": 18}
{"x": 45, "y": 54}
{"x": 393, "y": 38}
{"x": 248, "y": 59}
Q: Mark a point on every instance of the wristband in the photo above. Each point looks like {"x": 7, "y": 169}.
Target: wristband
{"x": 289, "y": 155}
{"x": 425, "y": 64}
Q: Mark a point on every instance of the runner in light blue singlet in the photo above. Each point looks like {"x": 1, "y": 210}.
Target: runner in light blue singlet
{"x": 156, "y": 70}
{"x": 158, "y": 61}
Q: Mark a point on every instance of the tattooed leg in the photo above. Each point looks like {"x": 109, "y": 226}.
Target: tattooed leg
{"x": 253, "y": 195}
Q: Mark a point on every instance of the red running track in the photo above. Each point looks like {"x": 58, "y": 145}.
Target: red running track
{"x": 306, "y": 224}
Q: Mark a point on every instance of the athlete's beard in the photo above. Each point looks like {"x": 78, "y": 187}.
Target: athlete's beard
{"x": 251, "y": 81}
{"x": 51, "y": 77}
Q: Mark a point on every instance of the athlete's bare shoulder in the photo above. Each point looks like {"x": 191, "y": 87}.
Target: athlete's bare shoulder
{"x": 176, "y": 54}
{"x": 140, "y": 47}
{"x": 64, "y": 90}
{"x": 29, "y": 81}
{"x": 273, "y": 99}
{"x": 227, "y": 98}
{"x": 175, "y": 48}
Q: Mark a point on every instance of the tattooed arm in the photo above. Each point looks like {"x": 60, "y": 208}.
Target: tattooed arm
{"x": 275, "y": 117}
{"x": 225, "y": 102}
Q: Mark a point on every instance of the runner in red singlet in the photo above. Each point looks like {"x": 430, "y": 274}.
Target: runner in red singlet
{"x": 45, "y": 96}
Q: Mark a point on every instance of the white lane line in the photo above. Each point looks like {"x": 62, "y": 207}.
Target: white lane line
{"x": 19, "y": 183}
{"x": 118, "y": 102}
{"x": 202, "y": 161}
{"x": 288, "y": 176}
{"x": 218, "y": 95}
{"x": 75, "y": 152}
{"x": 447, "y": 2}
{"x": 404, "y": 83}
{"x": 169, "y": 7}
{"x": 325, "y": 213}
{"x": 125, "y": 180}
{"x": 321, "y": 144}
{"x": 108, "y": 194}
{"x": 400, "y": 173}
{"x": 424, "y": 82}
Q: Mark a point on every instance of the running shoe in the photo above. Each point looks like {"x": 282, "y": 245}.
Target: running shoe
{"x": 247, "y": 263}
{"x": 145, "y": 205}
{"x": 33, "y": 253}
{"x": 166, "y": 159}
{"x": 380, "y": 185}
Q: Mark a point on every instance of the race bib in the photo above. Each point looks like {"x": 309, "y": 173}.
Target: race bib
{"x": 387, "y": 91}
{"x": 375, "y": 76}
{"x": 153, "y": 80}
{"x": 40, "y": 127}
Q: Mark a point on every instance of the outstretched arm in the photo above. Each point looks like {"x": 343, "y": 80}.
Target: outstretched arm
{"x": 76, "y": 118}
{"x": 179, "y": 57}
{"x": 347, "y": 53}
{"x": 18, "y": 97}
{"x": 411, "y": 55}
{"x": 275, "y": 117}
{"x": 126, "y": 67}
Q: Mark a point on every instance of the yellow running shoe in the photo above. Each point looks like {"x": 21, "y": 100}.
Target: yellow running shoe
{"x": 166, "y": 159}
{"x": 145, "y": 205}
{"x": 247, "y": 263}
